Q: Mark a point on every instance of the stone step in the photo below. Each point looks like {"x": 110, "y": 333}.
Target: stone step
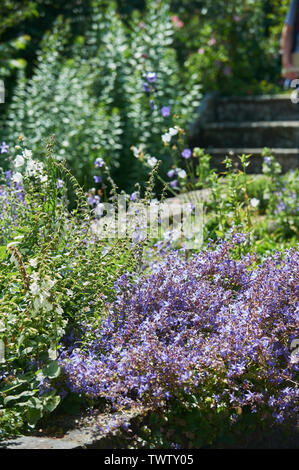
{"x": 288, "y": 158}
{"x": 256, "y": 108}
{"x": 277, "y": 134}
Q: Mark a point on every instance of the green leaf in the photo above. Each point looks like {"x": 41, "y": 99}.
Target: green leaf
{"x": 52, "y": 370}
{"x": 34, "y": 415}
{"x": 2, "y": 252}
{"x": 18, "y": 63}
{"x": 27, "y": 393}
{"x": 52, "y": 403}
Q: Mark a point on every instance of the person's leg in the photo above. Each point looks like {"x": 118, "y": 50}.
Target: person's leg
{"x": 287, "y": 85}
{"x": 297, "y": 88}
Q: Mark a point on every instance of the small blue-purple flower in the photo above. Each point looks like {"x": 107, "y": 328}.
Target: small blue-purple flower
{"x": 91, "y": 200}
{"x": 174, "y": 184}
{"x": 152, "y": 104}
{"x": 97, "y": 179}
{"x": 165, "y": 111}
{"x": 186, "y": 153}
{"x": 8, "y": 175}
{"x": 151, "y": 77}
{"x": 4, "y": 147}
{"x": 99, "y": 162}
{"x": 171, "y": 173}
{"x": 146, "y": 88}
{"x": 134, "y": 196}
{"x": 268, "y": 160}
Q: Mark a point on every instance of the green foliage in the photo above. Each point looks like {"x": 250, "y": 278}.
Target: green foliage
{"x": 94, "y": 100}
{"x": 193, "y": 423}
{"x": 88, "y": 90}
{"x": 243, "y": 55}
{"x": 12, "y": 13}
{"x": 53, "y": 277}
{"x": 263, "y": 206}
{"x": 9, "y": 61}
{"x": 11, "y": 48}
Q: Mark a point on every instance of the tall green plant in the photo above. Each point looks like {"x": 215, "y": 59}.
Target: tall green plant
{"x": 91, "y": 94}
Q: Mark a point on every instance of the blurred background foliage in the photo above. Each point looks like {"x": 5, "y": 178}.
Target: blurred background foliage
{"x": 76, "y": 69}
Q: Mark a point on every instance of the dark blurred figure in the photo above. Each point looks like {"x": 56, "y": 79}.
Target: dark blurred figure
{"x": 290, "y": 45}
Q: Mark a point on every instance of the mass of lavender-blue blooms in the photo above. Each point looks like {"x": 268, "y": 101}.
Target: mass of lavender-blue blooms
{"x": 212, "y": 325}
{"x": 216, "y": 325}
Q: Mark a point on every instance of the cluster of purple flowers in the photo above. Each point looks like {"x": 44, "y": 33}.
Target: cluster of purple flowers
{"x": 286, "y": 201}
{"x": 149, "y": 87}
{"x": 98, "y": 163}
{"x": 151, "y": 77}
{"x": 214, "y": 325}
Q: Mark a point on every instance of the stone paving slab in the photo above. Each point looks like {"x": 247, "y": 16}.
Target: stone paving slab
{"x": 83, "y": 437}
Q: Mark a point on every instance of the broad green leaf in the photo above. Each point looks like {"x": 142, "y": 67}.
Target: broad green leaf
{"x": 27, "y": 393}
{"x": 52, "y": 403}
{"x": 52, "y": 370}
{"x": 33, "y": 415}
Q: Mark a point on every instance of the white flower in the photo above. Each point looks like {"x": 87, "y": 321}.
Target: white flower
{"x": 34, "y": 288}
{"x": 99, "y": 210}
{"x": 181, "y": 174}
{"x": 33, "y": 262}
{"x": 254, "y": 202}
{"x": 172, "y": 131}
{"x": 31, "y": 168}
{"x": 40, "y": 166}
{"x": 49, "y": 283}
{"x": 43, "y": 178}
{"x": 19, "y": 161}
{"x": 27, "y": 153}
{"x": 34, "y": 168}
{"x": 137, "y": 150}
{"x": 47, "y": 306}
{"x": 34, "y": 276}
{"x": 166, "y": 138}
{"x": 152, "y": 161}
{"x": 17, "y": 178}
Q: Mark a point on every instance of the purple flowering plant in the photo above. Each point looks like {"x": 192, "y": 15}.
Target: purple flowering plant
{"x": 218, "y": 325}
